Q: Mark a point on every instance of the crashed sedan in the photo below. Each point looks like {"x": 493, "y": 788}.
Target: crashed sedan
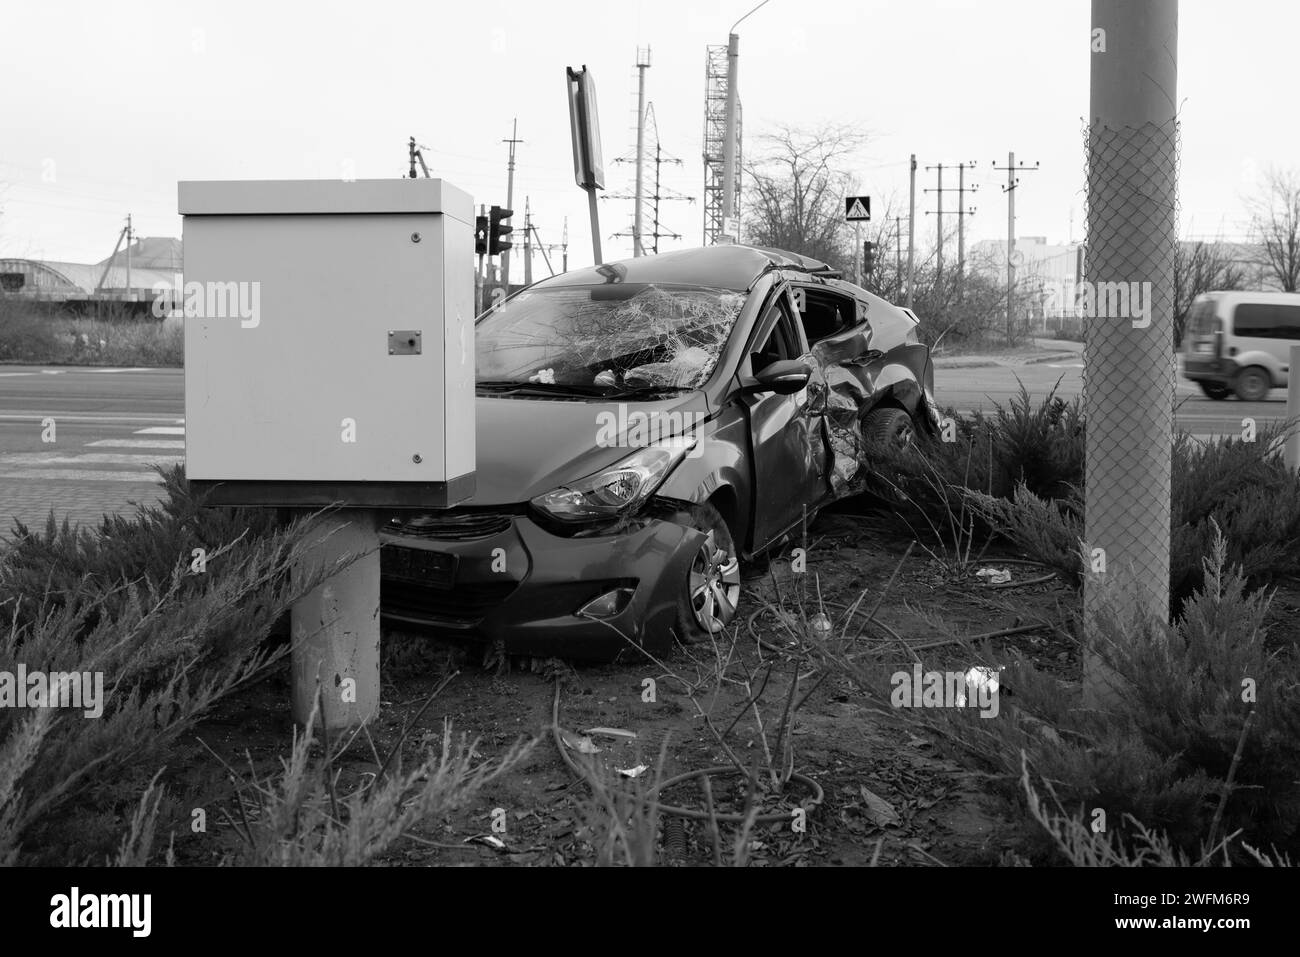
{"x": 642, "y": 427}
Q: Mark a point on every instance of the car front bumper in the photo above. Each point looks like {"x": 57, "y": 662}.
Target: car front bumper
{"x": 523, "y": 585}
{"x": 1207, "y": 368}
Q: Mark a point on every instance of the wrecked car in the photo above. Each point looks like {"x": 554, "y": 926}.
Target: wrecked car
{"x": 642, "y": 427}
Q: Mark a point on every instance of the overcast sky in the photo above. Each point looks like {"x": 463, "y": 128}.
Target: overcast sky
{"x": 108, "y": 104}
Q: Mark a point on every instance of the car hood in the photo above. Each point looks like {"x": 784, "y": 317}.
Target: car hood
{"x": 528, "y": 446}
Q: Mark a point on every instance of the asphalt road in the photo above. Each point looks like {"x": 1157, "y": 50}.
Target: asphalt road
{"x": 110, "y": 425}
{"x": 968, "y": 389}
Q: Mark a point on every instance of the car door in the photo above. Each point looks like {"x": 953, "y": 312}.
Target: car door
{"x": 786, "y": 448}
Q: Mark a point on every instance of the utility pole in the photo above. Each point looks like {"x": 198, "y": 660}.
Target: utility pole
{"x": 898, "y": 255}
{"x": 1010, "y": 189}
{"x": 642, "y": 64}
{"x": 911, "y": 227}
{"x": 130, "y": 234}
{"x": 564, "y": 246}
{"x": 510, "y": 199}
{"x": 415, "y": 153}
{"x": 939, "y": 221}
{"x": 962, "y": 213}
{"x": 731, "y": 144}
{"x": 656, "y": 232}
{"x": 528, "y": 243}
{"x": 1129, "y": 364}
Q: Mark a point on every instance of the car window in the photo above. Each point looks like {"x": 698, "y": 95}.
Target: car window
{"x": 1259, "y": 320}
{"x": 823, "y": 313}
{"x": 610, "y": 335}
{"x": 778, "y": 344}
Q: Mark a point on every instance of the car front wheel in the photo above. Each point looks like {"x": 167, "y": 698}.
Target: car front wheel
{"x": 1213, "y": 390}
{"x": 711, "y": 592}
{"x": 1252, "y": 384}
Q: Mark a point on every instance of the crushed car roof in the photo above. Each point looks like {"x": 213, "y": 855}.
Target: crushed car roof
{"x": 727, "y": 267}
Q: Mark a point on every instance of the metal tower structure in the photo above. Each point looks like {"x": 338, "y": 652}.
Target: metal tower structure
{"x": 715, "y": 135}
{"x": 653, "y": 197}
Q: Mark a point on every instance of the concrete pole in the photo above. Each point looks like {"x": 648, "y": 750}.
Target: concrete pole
{"x": 528, "y": 243}
{"x": 898, "y": 253}
{"x": 335, "y": 627}
{"x": 729, "y": 145}
{"x": 939, "y": 221}
{"x": 911, "y": 228}
{"x": 1292, "y": 457}
{"x": 510, "y": 199}
{"x": 961, "y": 226}
{"x": 638, "y": 244}
{"x": 130, "y": 237}
{"x": 1129, "y": 384}
{"x": 1011, "y": 245}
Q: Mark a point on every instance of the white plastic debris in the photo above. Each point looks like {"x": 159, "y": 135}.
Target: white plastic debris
{"x": 820, "y": 624}
{"x": 994, "y": 576}
{"x": 578, "y": 742}
{"x": 635, "y": 772}
{"x": 611, "y": 733}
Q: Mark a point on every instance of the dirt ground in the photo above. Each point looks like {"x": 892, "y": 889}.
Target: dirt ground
{"x": 888, "y": 794}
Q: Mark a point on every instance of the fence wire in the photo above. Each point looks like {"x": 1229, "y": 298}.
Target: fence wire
{"x": 1128, "y": 301}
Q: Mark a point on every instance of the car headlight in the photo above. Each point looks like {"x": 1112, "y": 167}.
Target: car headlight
{"x": 619, "y": 489}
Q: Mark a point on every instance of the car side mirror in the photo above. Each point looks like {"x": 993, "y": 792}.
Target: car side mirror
{"x": 784, "y": 377}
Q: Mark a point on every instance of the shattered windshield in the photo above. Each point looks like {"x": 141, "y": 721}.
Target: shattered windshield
{"x": 619, "y": 335}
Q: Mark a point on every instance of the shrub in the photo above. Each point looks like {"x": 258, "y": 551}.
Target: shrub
{"x": 122, "y": 601}
{"x": 1177, "y": 751}
{"x": 1020, "y": 474}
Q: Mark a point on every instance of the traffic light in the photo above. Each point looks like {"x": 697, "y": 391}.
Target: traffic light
{"x": 498, "y": 231}
{"x": 480, "y": 235}
{"x": 868, "y": 257}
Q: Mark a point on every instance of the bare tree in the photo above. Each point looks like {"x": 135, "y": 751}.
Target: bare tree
{"x": 1201, "y": 267}
{"x": 796, "y": 189}
{"x": 1275, "y": 220}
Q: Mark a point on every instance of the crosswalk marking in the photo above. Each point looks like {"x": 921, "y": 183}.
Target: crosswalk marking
{"x": 136, "y": 444}
{"x": 93, "y": 458}
{"x": 81, "y": 475}
{"x": 136, "y": 467}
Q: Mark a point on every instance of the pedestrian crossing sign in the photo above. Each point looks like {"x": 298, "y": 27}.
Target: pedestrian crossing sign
{"x": 857, "y": 208}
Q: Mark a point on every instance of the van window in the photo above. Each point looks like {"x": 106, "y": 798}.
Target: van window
{"x": 1259, "y": 320}
{"x": 1201, "y": 320}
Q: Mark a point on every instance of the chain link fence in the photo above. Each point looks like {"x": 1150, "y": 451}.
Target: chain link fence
{"x": 1127, "y": 300}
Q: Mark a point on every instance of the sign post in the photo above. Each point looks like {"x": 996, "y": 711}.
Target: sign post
{"x": 588, "y": 161}
{"x": 857, "y": 210}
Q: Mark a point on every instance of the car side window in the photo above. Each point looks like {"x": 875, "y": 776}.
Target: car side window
{"x": 780, "y": 343}
{"x": 822, "y": 313}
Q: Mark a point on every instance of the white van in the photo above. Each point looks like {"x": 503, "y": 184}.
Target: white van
{"x": 1240, "y": 342}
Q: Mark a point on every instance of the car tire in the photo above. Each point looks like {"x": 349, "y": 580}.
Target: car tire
{"x": 1252, "y": 384}
{"x": 710, "y": 594}
{"x": 1213, "y": 390}
{"x": 888, "y": 426}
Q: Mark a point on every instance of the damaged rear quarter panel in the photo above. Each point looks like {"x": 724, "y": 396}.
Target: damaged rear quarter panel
{"x": 880, "y": 363}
